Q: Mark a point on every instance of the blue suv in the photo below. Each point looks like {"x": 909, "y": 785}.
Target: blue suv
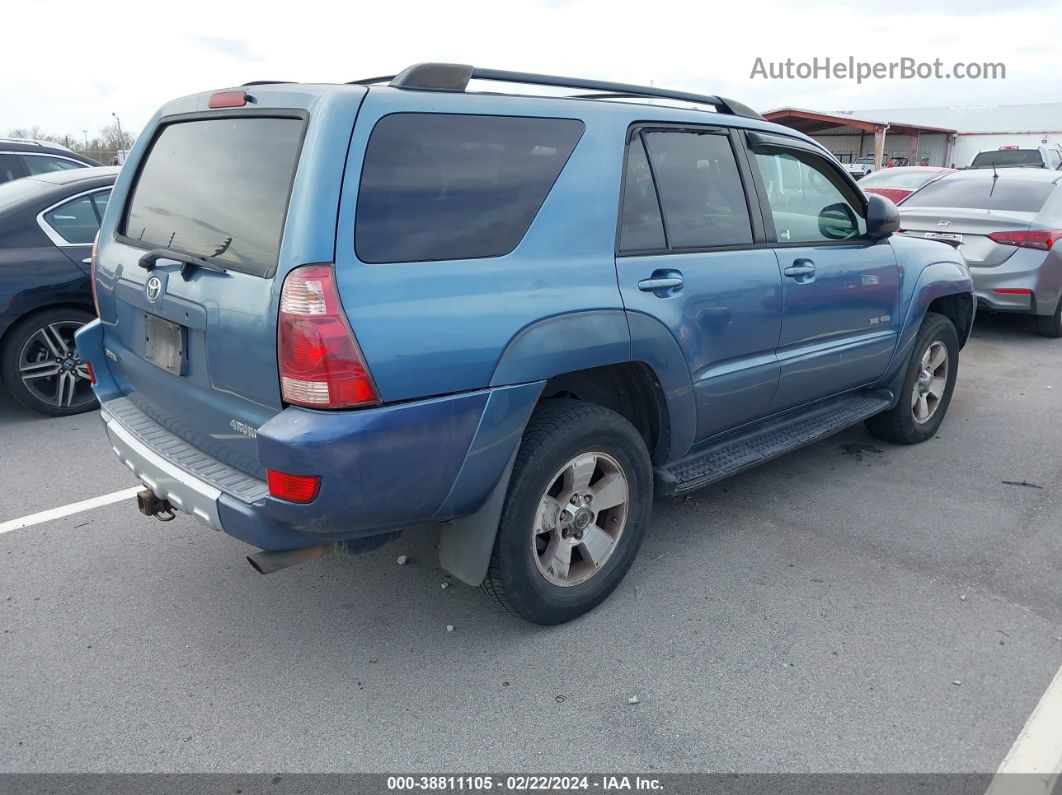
{"x": 330, "y": 312}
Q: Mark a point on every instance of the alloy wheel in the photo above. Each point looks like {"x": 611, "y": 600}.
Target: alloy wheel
{"x": 931, "y": 382}
{"x": 580, "y": 519}
{"x": 51, "y": 369}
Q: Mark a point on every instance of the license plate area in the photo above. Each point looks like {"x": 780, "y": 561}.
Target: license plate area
{"x": 944, "y": 236}
{"x": 164, "y": 344}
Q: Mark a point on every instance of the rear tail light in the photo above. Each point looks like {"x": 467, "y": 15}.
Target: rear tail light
{"x": 92, "y": 272}
{"x": 1041, "y": 239}
{"x": 293, "y": 488}
{"x": 321, "y": 365}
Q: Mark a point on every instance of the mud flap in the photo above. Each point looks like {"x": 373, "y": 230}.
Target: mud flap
{"x": 466, "y": 544}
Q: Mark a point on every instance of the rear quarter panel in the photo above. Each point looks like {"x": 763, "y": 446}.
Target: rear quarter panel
{"x": 430, "y": 328}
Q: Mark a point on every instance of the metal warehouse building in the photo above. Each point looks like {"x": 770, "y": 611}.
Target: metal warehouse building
{"x": 939, "y": 136}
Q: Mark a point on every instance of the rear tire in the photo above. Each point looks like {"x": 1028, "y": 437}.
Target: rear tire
{"x": 923, "y": 399}
{"x": 1050, "y": 325}
{"x": 40, "y": 365}
{"x": 558, "y": 553}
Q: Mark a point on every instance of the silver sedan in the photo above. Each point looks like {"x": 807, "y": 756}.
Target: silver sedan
{"x": 1007, "y": 224}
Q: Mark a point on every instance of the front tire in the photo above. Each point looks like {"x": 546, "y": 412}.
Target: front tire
{"x": 576, "y": 513}
{"x": 926, "y": 392}
{"x": 40, "y": 364}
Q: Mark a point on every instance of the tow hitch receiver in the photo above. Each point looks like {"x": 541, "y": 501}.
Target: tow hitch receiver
{"x": 150, "y": 505}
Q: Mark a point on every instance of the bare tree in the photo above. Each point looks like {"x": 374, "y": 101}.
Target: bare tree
{"x": 35, "y": 132}
{"x": 114, "y": 137}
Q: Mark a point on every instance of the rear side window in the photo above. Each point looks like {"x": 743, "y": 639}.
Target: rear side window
{"x": 42, "y": 164}
{"x": 78, "y": 221}
{"x": 1015, "y": 195}
{"x": 217, "y": 188}
{"x": 444, "y": 186}
{"x": 700, "y": 189}
{"x": 9, "y": 169}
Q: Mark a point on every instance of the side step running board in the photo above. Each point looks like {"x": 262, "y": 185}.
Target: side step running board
{"x": 752, "y": 446}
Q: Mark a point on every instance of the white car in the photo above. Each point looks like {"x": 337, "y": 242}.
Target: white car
{"x": 860, "y": 167}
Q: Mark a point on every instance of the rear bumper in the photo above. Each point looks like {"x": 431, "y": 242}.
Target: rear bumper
{"x": 381, "y": 469}
{"x": 1026, "y": 269}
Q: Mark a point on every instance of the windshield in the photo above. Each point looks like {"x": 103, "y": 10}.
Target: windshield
{"x": 887, "y": 178}
{"x": 1015, "y": 195}
{"x": 1008, "y": 158}
{"x": 218, "y": 188}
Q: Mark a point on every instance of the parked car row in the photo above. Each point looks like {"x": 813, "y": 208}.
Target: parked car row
{"x": 1005, "y": 222}
{"x": 1007, "y": 156}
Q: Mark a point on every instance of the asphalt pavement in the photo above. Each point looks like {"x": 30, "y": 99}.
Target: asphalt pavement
{"x": 855, "y": 606}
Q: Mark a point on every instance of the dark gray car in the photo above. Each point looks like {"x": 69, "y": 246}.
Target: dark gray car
{"x": 23, "y": 157}
{"x": 1008, "y": 224}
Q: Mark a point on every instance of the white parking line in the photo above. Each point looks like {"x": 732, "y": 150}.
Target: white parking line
{"x": 1037, "y": 752}
{"x": 66, "y": 510}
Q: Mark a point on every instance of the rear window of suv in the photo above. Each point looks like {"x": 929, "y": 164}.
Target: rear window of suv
{"x": 447, "y": 186}
{"x": 218, "y": 189}
{"x": 1015, "y": 195}
{"x": 1008, "y": 158}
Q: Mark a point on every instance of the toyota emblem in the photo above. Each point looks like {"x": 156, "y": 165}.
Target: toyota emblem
{"x": 153, "y": 289}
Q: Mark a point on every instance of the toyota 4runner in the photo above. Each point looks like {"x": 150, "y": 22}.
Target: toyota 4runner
{"x": 330, "y": 312}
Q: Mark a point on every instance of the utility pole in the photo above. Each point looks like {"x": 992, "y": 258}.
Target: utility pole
{"x": 85, "y": 133}
{"x": 121, "y": 141}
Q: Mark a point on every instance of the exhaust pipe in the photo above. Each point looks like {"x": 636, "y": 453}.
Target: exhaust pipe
{"x": 267, "y": 562}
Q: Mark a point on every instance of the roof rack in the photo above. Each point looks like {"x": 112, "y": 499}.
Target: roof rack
{"x": 455, "y": 77}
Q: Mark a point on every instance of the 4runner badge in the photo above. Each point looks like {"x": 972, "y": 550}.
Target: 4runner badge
{"x": 244, "y": 428}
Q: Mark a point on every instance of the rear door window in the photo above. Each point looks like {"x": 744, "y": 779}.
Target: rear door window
{"x": 700, "y": 189}
{"x": 217, "y": 188}
{"x": 448, "y": 186}
{"x": 641, "y": 225}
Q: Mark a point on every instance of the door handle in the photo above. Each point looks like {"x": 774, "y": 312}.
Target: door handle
{"x": 662, "y": 283}
{"x": 800, "y": 269}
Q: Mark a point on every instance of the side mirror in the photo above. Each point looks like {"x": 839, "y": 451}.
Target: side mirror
{"x": 883, "y": 218}
{"x": 838, "y": 222}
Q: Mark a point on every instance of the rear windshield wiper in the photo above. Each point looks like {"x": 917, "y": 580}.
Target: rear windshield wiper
{"x": 188, "y": 262}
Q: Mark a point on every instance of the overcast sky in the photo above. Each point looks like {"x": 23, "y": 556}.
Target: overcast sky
{"x": 84, "y": 61}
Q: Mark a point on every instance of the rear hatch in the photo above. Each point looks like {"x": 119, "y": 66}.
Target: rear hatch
{"x": 191, "y": 340}
{"x": 969, "y": 209}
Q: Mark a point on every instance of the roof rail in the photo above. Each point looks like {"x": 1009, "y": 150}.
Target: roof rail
{"x": 455, "y": 77}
